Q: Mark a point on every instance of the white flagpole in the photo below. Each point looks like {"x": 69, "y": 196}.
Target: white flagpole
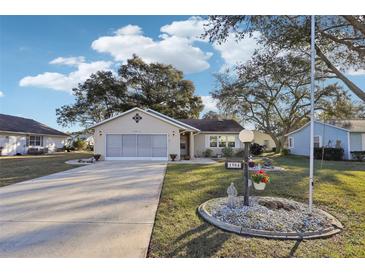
{"x": 311, "y": 157}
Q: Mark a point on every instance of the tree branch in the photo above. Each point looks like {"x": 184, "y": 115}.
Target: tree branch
{"x": 351, "y": 85}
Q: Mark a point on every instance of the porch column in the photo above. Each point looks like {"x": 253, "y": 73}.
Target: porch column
{"x": 191, "y": 145}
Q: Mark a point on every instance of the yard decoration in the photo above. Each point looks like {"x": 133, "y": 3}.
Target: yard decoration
{"x": 232, "y": 194}
{"x": 260, "y": 179}
{"x": 173, "y": 157}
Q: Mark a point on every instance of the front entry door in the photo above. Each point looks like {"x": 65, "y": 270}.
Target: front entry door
{"x": 184, "y": 145}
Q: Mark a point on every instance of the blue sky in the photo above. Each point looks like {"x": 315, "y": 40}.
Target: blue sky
{"x": 43, "y": 57}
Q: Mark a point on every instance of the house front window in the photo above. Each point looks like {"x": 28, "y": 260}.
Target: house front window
{"x": 317, "y": 141}
{"x": 290, "y": 142}
{"x": 213, "y": 141}
{"x": 222, "y": 141}
{"x": 231, "y": 141}
{"x": 36, "y": 141}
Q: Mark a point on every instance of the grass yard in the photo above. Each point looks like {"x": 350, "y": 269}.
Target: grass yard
{"x": 179, "y": 232}
{"x": 14, "y": 169}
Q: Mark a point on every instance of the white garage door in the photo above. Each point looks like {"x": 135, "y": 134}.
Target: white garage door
{"x": 136, "y": 147}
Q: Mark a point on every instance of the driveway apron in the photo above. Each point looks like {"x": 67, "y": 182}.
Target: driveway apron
{"x": 101, "y": 210}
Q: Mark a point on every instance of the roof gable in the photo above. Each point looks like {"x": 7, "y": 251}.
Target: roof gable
{"x": 154, "y": 114}
{"x": 11, "y": 123}
{"x": 318, "y": 122}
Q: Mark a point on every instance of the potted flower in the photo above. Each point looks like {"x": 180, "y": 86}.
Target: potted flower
{"x": 260, "y": 179}
{"x": 173, "y": 157}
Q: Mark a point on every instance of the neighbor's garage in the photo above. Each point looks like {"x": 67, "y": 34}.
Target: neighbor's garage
{"x": 136, "y": 147}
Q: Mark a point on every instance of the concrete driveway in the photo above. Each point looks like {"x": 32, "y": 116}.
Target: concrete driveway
{"x": 101, "y": 210}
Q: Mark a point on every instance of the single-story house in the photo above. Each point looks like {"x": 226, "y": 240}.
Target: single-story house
{"x": 347, "y": 134}
{"x": 264, "y": 140}
{"x": 139, "y": 134}
{"x": 18, "y": 134}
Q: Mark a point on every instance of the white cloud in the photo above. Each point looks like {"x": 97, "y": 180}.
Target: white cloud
{"x": 170, "y": 49}
{"x": 69, "y": 61}
{"x": 210, "y": 104}
{"x": 65, "y": 82}
{"x": 192, "y": 28}
{"x": 2, "y": 94}
{"x": 354, "y": 72}
{"x": 233, "y": 52}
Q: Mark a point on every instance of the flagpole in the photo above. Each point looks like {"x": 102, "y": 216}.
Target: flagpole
{"x": 311, "y": 155}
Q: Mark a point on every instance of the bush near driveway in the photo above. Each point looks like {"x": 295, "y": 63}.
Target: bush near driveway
{"x": 179, "y": 232}
{"x": 14, "y": 169}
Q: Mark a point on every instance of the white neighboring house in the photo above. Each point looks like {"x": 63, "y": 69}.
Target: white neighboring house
{"x": 18, "y": 134}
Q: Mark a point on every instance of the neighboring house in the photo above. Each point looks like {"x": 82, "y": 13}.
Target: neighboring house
{"x": 264, "y": 140}
{"x": 18, "y": 134}
{"x": 89, "y": 139}
{"x": 149, "y": 135}
{"x": 347, "y": 134}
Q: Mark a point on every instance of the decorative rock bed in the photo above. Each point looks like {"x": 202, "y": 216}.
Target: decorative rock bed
{"x": 270, "y": 217}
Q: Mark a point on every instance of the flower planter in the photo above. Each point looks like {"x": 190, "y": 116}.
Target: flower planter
{"x": 259, "y": 186}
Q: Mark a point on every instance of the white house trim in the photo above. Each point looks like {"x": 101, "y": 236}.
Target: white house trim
{"x": 299, "y": 129}
{"x": 177, "y": 124}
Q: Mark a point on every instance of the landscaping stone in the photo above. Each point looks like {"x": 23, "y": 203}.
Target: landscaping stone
{"x": 270, "y": 217}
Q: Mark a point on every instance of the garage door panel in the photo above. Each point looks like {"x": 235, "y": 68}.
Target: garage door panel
{"x": 114, "y": 145}
{"x": 159, "y": 146}
{"x": 129, "y": 144}
{"x": 144, "y": 144}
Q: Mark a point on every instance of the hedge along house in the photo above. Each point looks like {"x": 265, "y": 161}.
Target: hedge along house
{"x": 18, "y": 135}
{"x": 346, "y": 134}
{"x": 139, "y": 134}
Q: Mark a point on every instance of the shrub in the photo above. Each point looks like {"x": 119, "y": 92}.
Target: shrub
{"x": 256, "y": 149}
{"x": 208, "y": 153}
{"x": 79, "y": 144}
{"x": 36, "y": 151}
{"x": 330, "y": 153}
{"x": 285, "y": 151}
{"x": 358, "y": 155}
{"x": 227, "y": 152}
{"x": 240, "y": 153}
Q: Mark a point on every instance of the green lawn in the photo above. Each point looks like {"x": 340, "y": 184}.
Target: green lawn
{"x": 15, "y": 169}
{"x": 179, "y": 232}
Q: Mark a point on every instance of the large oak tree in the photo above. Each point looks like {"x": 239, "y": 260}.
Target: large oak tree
{"x": 340, "y": 40}
{"x": 272, "y": 92}
{"x": 138, "y": 84}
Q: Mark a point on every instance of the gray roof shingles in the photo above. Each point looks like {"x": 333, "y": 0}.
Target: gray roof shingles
{"x": 23, "y": 125}
{"x": 214, "y": 125}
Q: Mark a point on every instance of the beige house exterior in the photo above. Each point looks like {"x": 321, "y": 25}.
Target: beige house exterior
{"x": 139, "y": 134}
{"x": 264, "y": 139}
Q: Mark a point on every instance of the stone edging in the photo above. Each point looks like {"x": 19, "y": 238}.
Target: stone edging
{"x": 337, "y": 228}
